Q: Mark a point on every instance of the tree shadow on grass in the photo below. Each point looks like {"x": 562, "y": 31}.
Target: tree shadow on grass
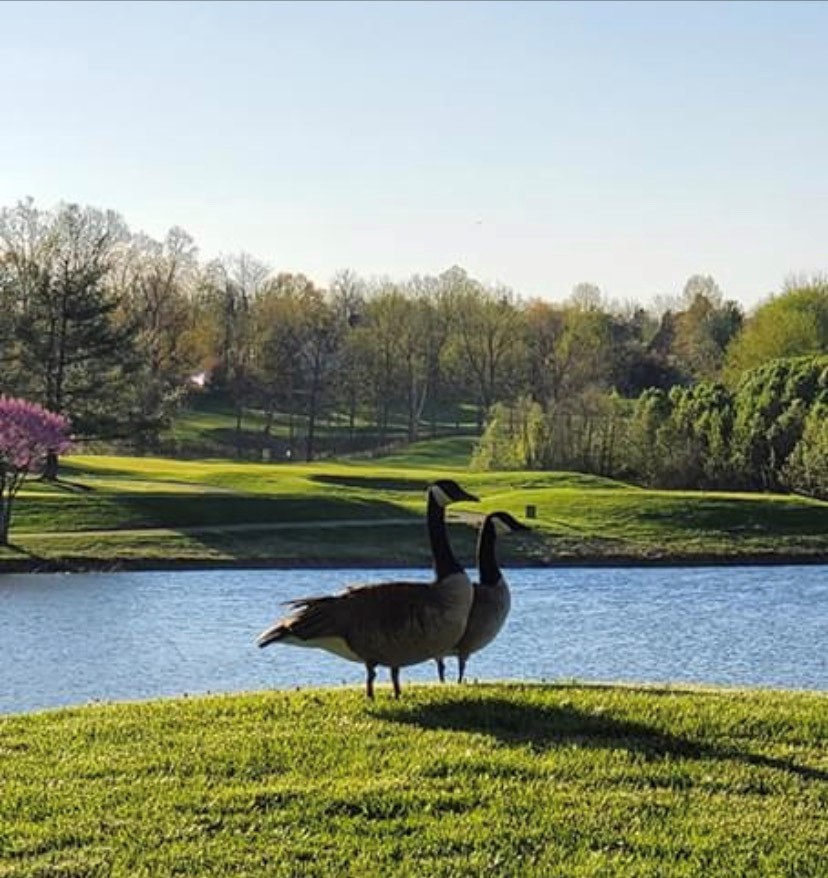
{"x": 543, "y": 727}
{"x": 754, "y": 515}
{"x": 228, "y": 527}
{"x": 305, "y": 529}
{"x": 63, "y": 484}
{"x": 377, "y": 483}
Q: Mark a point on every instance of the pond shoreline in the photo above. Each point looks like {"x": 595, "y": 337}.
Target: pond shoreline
{"x": 111, "y": 565}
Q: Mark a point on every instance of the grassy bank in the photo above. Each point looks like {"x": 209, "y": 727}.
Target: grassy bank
{"x": 506, "y": 780}
{"x": 119, "y": 511}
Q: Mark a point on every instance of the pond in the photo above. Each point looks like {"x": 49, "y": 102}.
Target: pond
{"x": 76, "y": 638}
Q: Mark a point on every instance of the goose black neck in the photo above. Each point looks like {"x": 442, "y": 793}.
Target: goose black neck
{"x": 486, "y": 560}
{"x": 444, "y": 561}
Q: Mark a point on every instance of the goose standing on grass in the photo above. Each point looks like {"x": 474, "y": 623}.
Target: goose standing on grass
{"x": 491, "y": 595}
{"x": 393, "y": 624}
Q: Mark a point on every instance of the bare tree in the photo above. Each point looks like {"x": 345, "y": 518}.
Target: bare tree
{"x": 157, "y": 280}
{"x": 232, "y": 284}
{"x": 487, "y": 335}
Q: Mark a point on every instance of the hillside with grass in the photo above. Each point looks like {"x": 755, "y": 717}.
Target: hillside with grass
{"x": 109, "y": 511}
{"x": 209, "y": 426}
{"x": 508, "y": 780}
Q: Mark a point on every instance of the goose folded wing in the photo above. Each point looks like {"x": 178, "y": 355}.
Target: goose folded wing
{"x": 387, "y": 606}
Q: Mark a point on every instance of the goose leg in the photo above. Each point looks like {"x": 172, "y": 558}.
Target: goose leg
{"x": 370, "y": 676}
{"x": 441, "y": 670}
{"x": 395, "y": 679}
{"x": 461, "y": 667}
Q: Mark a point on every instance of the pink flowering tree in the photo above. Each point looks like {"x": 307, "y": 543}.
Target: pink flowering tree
{"x": 29, "y": 433}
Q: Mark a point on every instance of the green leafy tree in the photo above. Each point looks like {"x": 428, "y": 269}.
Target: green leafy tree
{"x": 568, "y": 349}
{"x": 702, "y": 425}
{"x": 643, "y": 454}
{"x": 771, "y": 406}
{"x": 513, "y": 437}
{"x": 703, "y": 330}
{"x": 75, "y": 348}
{"x": 806, "y": 470}
{"x": 792, "y": 324}
{"x": 581, "y": 432}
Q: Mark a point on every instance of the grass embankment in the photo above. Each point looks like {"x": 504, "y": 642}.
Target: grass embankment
{"x": 111, "y": 511}
{"x": 208, "y": 427}
{"x": 504, "y": 780}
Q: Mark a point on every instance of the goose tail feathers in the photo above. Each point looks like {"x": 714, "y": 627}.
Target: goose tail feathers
{"x": 273, "y": 634}
{"x": 311, "y": 619}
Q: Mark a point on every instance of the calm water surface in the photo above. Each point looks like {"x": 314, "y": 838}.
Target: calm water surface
{"x": 75, "y": 638}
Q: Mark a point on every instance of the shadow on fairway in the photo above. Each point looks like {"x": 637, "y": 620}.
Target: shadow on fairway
{"x": 377, "y": 483}
{"x": 63, "y": 484}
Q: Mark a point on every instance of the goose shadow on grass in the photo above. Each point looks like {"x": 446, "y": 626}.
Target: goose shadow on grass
{"x": 544, "y": 727}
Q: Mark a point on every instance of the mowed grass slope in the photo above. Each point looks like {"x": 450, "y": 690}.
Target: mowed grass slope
{"x": 207, "y": 427}
{"x": 122, "y": 510}
{"x": 501, "y": 780}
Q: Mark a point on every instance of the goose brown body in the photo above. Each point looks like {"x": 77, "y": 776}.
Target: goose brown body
{"x": 490, "y": 607}
{"x": 393, "y": 624}
{"x": 492, "y": 599}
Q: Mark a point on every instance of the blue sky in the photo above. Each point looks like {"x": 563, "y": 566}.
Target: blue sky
{"x": 536, "y": 144}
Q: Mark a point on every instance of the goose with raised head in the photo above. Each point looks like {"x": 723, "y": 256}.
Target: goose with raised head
{"x": 393, "y": 624}
{"x": 492, "y": 600}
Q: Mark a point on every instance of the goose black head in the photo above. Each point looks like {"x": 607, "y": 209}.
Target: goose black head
{"x": 505, "y": 523}
{"x": 446, "y": 491}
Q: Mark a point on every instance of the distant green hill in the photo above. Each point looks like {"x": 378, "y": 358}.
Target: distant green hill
{"x": 208, "y": 427}
{"x": 451, "y": 452}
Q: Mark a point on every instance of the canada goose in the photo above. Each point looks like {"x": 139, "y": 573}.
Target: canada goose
{"x": 393, "y": 624}
{"x": 491, "y": 595}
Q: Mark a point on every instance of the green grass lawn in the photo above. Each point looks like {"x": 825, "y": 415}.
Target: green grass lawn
{"x": 111, "y": 510}
{"x": 208, "y": 426}
{"x": 499, "y": 780}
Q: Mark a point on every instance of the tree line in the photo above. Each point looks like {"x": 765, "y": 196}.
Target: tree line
{"x": 769, "y": 432}
{"x": 114, "y": 329}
